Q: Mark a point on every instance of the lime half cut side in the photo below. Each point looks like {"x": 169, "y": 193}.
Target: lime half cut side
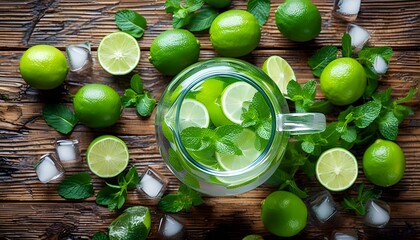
{"x": 193, "y": 114}
{"x": 234, "y": 98}
{"x": 107, "y": 156}
{"x": 336, "y": 169}
{"x": 118, "y": 53}
{"x": 279, "y": 71}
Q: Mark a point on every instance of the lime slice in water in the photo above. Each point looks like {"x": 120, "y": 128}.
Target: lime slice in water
{"x": 279, "y": 71}
{"x": 107, "y": 156}
{"x": 336, "y": 169}
{"x": 193, "y": 114}
{"x": 118, "y": 53}
{"x": 245, "y": 142}
{"x": 234, "y": 99}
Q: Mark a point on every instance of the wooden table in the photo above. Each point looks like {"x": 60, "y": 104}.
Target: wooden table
{"x": 30, "y": 209}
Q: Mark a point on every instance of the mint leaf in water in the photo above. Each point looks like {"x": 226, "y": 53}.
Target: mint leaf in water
{"x": 346, "y": 50}
{"x": 78, "y": 186}
{"x": 59, "y": 117}
{"x": 202, "y": 20}
{"x": 260, "y": 9}
{"x": 131, "y": 22}
{"x": 321, "y": 59}
{"x": 183, "y": 199}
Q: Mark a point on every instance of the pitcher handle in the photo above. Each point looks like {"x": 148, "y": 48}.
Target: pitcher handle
{"x": 301, "y": 123}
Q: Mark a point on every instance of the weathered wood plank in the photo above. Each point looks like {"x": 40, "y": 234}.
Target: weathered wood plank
{"x": 393, "y": 23}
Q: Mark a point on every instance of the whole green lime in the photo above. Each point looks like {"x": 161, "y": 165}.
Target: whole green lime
{"x": 174, "y": 50}
{"x": 284, "y": 214}
{"x": 235, "y": 33}
{"x": 343, "y": 81}
{"x": 218, "y": 3}
{"x": 133, "y": 223}
{"x": 97, "y": 105}
{"x": 384, "y": 163}
{"x": 298, "y": 20}
{"x": 43, "y": 67}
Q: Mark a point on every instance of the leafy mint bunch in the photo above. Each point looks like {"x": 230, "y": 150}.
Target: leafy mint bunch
{"x": 114, "y": 196}
{"x": 358, "y": 203}
{"x": 137, "y": 97}
{"x": 183, "y": 199}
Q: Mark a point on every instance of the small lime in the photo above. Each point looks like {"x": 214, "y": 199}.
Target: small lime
{"x": 43, "y": 67}
{"x": 133, "y": 223}
{"x": 174, "y": 50}
{"x": 384, "y": 163}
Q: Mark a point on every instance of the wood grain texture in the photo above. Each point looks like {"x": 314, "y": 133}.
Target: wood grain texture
{"x": 32, "y": 210}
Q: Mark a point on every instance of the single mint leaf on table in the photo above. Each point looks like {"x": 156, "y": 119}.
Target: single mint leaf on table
{"x": 59, "y": 117}
{"x": 321, "y": 59}
{"x": 131, "y": 22}
{"x": 171, "y": 203}
{"x": 346, "y": 50}
{"x": 202, "y": 20}
{"x": 100, "y": 236}
{"x": 260, "y": 9}
{"x": 108, "y": 196}
{"x": 145, "y": 105}
{"x": 136, "y": 84}
{"x": 78, "y": 186}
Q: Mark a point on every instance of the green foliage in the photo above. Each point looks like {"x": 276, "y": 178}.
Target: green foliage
{"x": 137, "y": 97}
{"x": 202, "y": 19}
{"x": 60, "y": 117}
{"x": 260, "y": 9}
{"x": 78, "y": 186}
{"x": 131, "y": 22}
{"x": 184, "y": 199}
{"x": 358, "y": 203}
{"x": 321, "y": 59}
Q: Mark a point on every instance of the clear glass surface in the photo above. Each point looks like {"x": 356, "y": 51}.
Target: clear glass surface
{"x": 48, "y": 168}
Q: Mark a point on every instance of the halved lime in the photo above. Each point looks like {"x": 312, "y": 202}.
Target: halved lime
{"x": 336, "y": 169}
{"x": 234, "y": 99}
{"x": 245, "y": 142}
{"x": 279, "y": 71}
{"x": 193, "y": 114}
{"x": 107, "y": 156}
{"x": 118, "y": 53}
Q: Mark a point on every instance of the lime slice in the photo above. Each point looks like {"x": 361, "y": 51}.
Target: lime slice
{"x": 336, "y": 169}
{"x": 107, "y": 156}
{"x": 118, "y": 53}
{"x": 279, "y": 71}
{"x": 234, "y": 99}
{"x": 193, "y": 114}
{"x": 245, "y": 142}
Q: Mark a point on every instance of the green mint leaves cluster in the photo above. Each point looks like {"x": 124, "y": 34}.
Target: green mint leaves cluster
{"x": 130, "y": 22}
{"x": 363, "y": 195}
{"x": 184, "y": 199}
{"x": 137, "y": 97}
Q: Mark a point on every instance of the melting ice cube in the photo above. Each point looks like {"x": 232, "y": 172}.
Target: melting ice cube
{"x": 67, "y": 150}
{"x": 343, "y": 236}
{"x": 380, "y": 66}
{"x": 346, "y": 9}
{"x": 170, "y": 228}
{"x": 359, "y": 36}
{"x": 377, "y": 213}
{"x": 322, "y": 206}
{"x": 79, "y": 56}
{"x": 47, "y": 168}
{"x": 152, "y": 183}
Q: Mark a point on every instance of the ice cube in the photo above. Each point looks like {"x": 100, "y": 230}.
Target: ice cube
{"x": 171, "y": 228}
{"x": 48, "y": 169}
{"x": 380, "y": 66}
{"x": 67, "y": 150}
{"x": 79, "y": 56}
{"x": 359, "y": 36}
{"x": 324, "y": 210}
{"x": 343, "y": 236}
{"x": 349, "y": 7}
{"x": 322, "y": 206}
{"x": 152, "y": 183}
{"x": 377, "y": 213}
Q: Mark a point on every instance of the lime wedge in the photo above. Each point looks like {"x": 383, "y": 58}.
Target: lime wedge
{"x": 279, "y": 71}
{"x": 234, "y": 99}
{"x": 118, "y": 53}
{"x": 193, "y": 114}
{"x": 107, "y": 156}
{"x": 245, "y": 142}
{"x": 336, "y": 169}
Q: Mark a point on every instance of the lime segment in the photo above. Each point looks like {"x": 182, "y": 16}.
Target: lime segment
{"x": 118, "y": 53}
{"x": 193, "y": 114}
{"x": 107, "y": 156}
{"x": 336, "y": 169}
{"x": 279, "y": 71}
{"x": 234, "y": 99}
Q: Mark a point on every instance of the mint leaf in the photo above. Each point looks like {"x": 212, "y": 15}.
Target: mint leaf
{"x": 346, "y": 45}
{"x": 181, "y": 18}
{"x": 197, "y": 139}
{"x": 100, "y": 236}
{"x": 108, "y": 196}
{"x": 368, "y": 53}
{"x": 321, "y": 59}
{"x": 358, "y": 203}
{"x": 184, "y": 199}
{"x": 304, "y": 97}
{"x": 259, "y": 103}
{"x": 129, "y": 99}
{"x": 229, "y": 132}
{"x": 193, "y": 5}
{"x": 59, "y": 117}
{"x": 388, "y": 126}
{"x": 171, "y": 6}
{"x": 291, "y": 186}
{"x": 136, "y": 84}
{"x": 264, "y": 129}
{"x": 191, "y": 195}
{"x": 202, "y": 20}
{"x": 171, "y": 203}
{"x": 411, "y": 93}
{"x": 226, "y": 146}
{"x": 131, "y": 22}
{"x": 349, "y": 134}
{"x": 260, "y": 9}
{"x": 365, "y": 114}
{"x": 249, "y": 117}
{"x": 145, "y": 105}
{"x": 78, "y": 186}
{"x": 132, "y": 178}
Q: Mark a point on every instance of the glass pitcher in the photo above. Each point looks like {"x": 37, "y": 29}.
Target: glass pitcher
{"x": 222, "y": 126}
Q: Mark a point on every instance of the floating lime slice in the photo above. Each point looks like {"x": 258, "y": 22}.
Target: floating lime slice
{"x": 193, "y": 114}
{"x": 234, "y": 99}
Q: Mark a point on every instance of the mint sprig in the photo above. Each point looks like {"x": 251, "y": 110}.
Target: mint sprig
{"x": 130, "y": 22}
{"x": 184, "y": 199}
{"x": 137, "y": 97}
{"x": 363, "y": 195}
{"x": 260, "y": 9}
{"x": 182, "y": 11}
{"x": 78, "y": 186}
{"x": 60, "y": 117}
{"x": 346, "y": 49}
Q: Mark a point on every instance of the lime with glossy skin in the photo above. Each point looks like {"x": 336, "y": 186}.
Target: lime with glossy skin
{"x": 97, "y": 105}
{"x": 235, "y": 33}
{"x": 298, "y": 20}
{"x": 133, "y": 224}
{"x": 284, "y": 214}
{"x": 343, "y": 81}
{"x": 173, "y": 50}
{"x": 43, "y": 67}
{"x": 384, "y": 163}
